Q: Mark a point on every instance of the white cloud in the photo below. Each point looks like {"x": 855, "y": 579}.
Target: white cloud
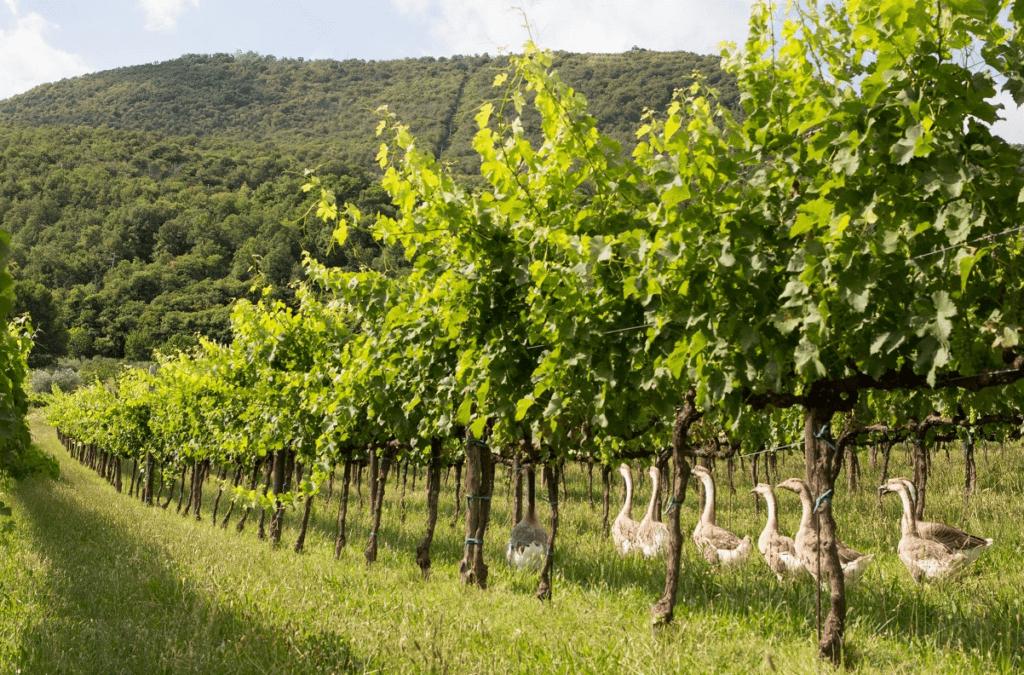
{"x": 1011, "y": 124}
{"x": 477, "y": 26}
{"x": 163, "y": 14}
{"x": 12, "y": 5}
{"x": 27, "y": 59}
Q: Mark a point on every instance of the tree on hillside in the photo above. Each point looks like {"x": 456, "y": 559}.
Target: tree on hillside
{"x": 51, "y": 335}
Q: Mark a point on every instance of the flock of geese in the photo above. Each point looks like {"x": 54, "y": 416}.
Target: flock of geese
{"x": 929, "y": 550}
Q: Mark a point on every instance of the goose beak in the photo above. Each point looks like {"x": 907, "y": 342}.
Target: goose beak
{"x": 883, "y": 490}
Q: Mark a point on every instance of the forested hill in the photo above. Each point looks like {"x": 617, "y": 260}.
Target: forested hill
{"x": 295, "y": 104}
{"x": 122, "y": 241}
{"x": 142, "y": 201}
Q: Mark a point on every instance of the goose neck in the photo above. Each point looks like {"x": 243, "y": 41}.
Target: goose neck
{"x": 808, "y": 507}
{"x": 909, "y": 519}
{"x": 627, "y": 506}
{"x": 709, "y": 499}
{"x": 773, "y": 519}
{"x": 655, "y": 484}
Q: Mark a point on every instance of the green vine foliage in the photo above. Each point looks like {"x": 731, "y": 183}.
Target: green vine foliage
{"x": 853, "y": 224}
{"x": 17, "y": 457}
{"x": 548, "y": 345}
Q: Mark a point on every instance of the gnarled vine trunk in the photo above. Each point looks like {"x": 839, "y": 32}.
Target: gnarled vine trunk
{"x": 479, "y": 487}
{"x": 147, "y": 491}
{"x": 852, "y": 470}
{"x": 261, "y": 532}
{"x": 517, "y": 489}
{"x": 359, "y": 485}
{"x": 253, "y": 482}
{"x": 191, "y": 491}
{"x": 659, "y": 504}
{"x": 821, "y": 466}
{"x": 199, "y": 476}
{"x": 405, "y": 480}
{"x": 590, "y": 483}
{"x": 970, "y": 469}
{"x": 458, "y": 491}
{"x": 300, "y": 541}
{"x": 170, "y": 495}
{"x": 551, "y": 478}
{"x": 606, "y": 481}
{"x": 280, "y": 477}
{"x": 377, "y": 504}
{"x": 662, "y": 611}
{"x": 339, "y": 539}
{"x": 433, "y": 491}
{"x": 883, "y": 475}
{"x": 920, "y": 462}
{"x": 753, "y": 474}
{"x": 231, "y": 507}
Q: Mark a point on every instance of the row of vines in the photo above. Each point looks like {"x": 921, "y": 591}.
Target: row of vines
{"x": 15, "y": 344}
{"x": 848, "y": 254}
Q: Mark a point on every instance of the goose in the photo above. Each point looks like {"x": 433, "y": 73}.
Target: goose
{"x": 954, "y": 539}
{"x": 528, "y": 542}
{"x": 624, "y": 527}
{"x": 779, "y": 551}
{"x": 717, "y": 544}
{"x": 853, "y": 563}
{"x": 652, "y": 535}
{"x": 923, "y": 557}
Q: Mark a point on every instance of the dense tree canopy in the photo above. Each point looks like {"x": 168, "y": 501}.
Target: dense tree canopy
{"x": 122, "y": 242}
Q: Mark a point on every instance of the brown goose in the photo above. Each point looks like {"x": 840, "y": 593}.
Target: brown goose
{"x": 528, "y": 543}
{"x": 716, "y": 544}
{"x": 853, "y": 563}
{"x": 922, "y": 557}
{"x": 952, "y": 538}
{"x": 624, "y": 527}
{"x": 779, "y": 551}
{"x": 652, "y": 535}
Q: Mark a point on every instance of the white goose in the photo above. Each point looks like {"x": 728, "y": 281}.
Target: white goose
{"x": 853, "y": 563}
{"x": 528, "y": 542}
{"x": 652, "y": 535}
{"x": 779, "y": 551}
{"x": 716, "y": 544}
{"x": 624, "y": 528}
{"x": 924, "y": 557}
{"x": 954, "y": 539}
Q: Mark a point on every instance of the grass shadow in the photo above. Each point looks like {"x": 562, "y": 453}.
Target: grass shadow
{"x": 115, "y": 603}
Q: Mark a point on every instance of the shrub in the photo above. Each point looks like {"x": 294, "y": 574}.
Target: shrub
{"x": 41, "y": 382}
{"x": 65, "y": 378}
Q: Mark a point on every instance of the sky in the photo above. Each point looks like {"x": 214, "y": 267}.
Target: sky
{"x": 47, "y": 40}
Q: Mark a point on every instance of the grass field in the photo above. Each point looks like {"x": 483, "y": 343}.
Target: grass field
{"x": 94, "y": 582}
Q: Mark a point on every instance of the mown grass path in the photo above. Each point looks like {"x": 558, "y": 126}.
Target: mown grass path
{"x": 94, "y": 582}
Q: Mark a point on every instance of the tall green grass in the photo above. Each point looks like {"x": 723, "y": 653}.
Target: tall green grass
{"x": 106, "y": 585}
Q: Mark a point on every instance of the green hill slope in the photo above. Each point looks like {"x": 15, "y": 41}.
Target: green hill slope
{"x": 330, "y": 105}
{"x": 123, "y": 241}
